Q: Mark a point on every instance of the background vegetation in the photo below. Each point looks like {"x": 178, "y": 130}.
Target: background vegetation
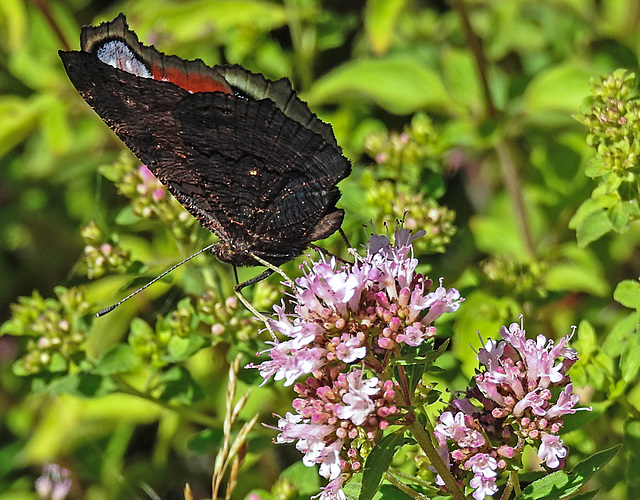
{"x": 475, "y": 117}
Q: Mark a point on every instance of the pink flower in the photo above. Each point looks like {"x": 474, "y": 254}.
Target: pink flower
{"x": 350, "y": 350}
{"x": 358, "y": 403}
{"x": 146, "y": 174}
{"x": 483, "y": 486}
{"x": 330, "y": 462}
{"x": 54, "y": 483}
{"x": 332, "y": 491}
{"x": 512, "y": 400}
{"x": 565, "y": 404}
{"x": 364, "y": 313}
{"x": 449, "y": 424}
{"x": 482, "y": 464}
{"x": 532, "y": 400}
{"x": 551, "y": 450}
{"x": 442, "y": 301}
{"x": 288, "y": 363}
{"x": 412, "y": 335}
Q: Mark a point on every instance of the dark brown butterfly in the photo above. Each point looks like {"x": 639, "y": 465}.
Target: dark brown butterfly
{"x": 242, "y": 153}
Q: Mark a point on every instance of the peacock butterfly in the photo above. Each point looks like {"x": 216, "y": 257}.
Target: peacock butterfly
{"x": 243, "y": 154}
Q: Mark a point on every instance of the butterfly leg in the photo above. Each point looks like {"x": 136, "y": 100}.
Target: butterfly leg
{"x": 238, "y": 291}
{"x": 270, "y": 267}
{"x": 344, "y": 237}
{"x": 327, "y": 253}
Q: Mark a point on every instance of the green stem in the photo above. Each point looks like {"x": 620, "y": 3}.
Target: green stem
{"x": 514, "y": 481}
{"x": 514, "y": 188}
{"x": 475, "y": 45}
{"x": 512, "y": 485}
{"x": 48, "y": 15}
{"x": 398, "y": 474}
{"x": 425, "y": 443}
{"x": 404, "y": 488}
{"x": 505, "y": 155}
{"x": 303, "y": 38}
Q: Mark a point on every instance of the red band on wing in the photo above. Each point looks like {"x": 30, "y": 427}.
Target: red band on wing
{"x": 191, "y": 82}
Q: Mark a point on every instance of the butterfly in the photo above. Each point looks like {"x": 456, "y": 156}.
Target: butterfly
{"x": 243, "y": 154}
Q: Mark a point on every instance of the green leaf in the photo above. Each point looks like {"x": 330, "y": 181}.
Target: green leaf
{"x": 548, "y": 487}
{"x": 460, "y": 75}
{"x": 628, "y": 294}
{"x": 58, "y": 363}
{"x": 184, "y": 20}
{"x": 630, "y": 342}
{"x": 126, "y": 217}
{"x": 559, "y": 88}
{"x": 305, "y": 478}
{"x": 590, "y": 223}
{"x": 390, "y": 492}
{"x": 585, "y": 496}
{"x": 14, "y": 17}
{"x": 180, "y": 386}
{"x": 180, "y": 348}
{"x": 560, "y": 484}
{"x": 118, "y": 359}
{"x": 378, "y": 463}
{"x": 578, "y": 270}
{"x": 12, "y": 327}
{"x": 589, "y": 343}
{"x": 398, "y": 84}
{"x": 632, "y": 447}
{"x": 206, "y": 441}
{"x": 85, "y": 385}
{"x": 18, "y": 119}
{"x": 353, "y": 488}
{"x": 573, "y": 277}
{"x": 590, "y": 465}
{"x": 619, "y": 336}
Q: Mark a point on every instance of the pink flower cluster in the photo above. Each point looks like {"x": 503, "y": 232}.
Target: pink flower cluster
{"x": 348, "y": 324}
{"x": 519, "y": 398}
{"x": 150, "y": 185}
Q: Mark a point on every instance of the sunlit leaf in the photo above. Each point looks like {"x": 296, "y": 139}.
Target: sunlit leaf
{"x": 398, "y": 84}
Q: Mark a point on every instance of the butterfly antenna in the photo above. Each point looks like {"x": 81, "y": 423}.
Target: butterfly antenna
{"x": 112, "y": 307}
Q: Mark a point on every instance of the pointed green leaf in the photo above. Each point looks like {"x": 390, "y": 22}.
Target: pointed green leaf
{"x": 590, "y": 223}
{"x": 378, "y": 463}
{"x": 560, "y": 484}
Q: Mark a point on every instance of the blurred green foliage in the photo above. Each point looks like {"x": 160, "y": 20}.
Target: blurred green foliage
{"x": 523, "y": 173}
